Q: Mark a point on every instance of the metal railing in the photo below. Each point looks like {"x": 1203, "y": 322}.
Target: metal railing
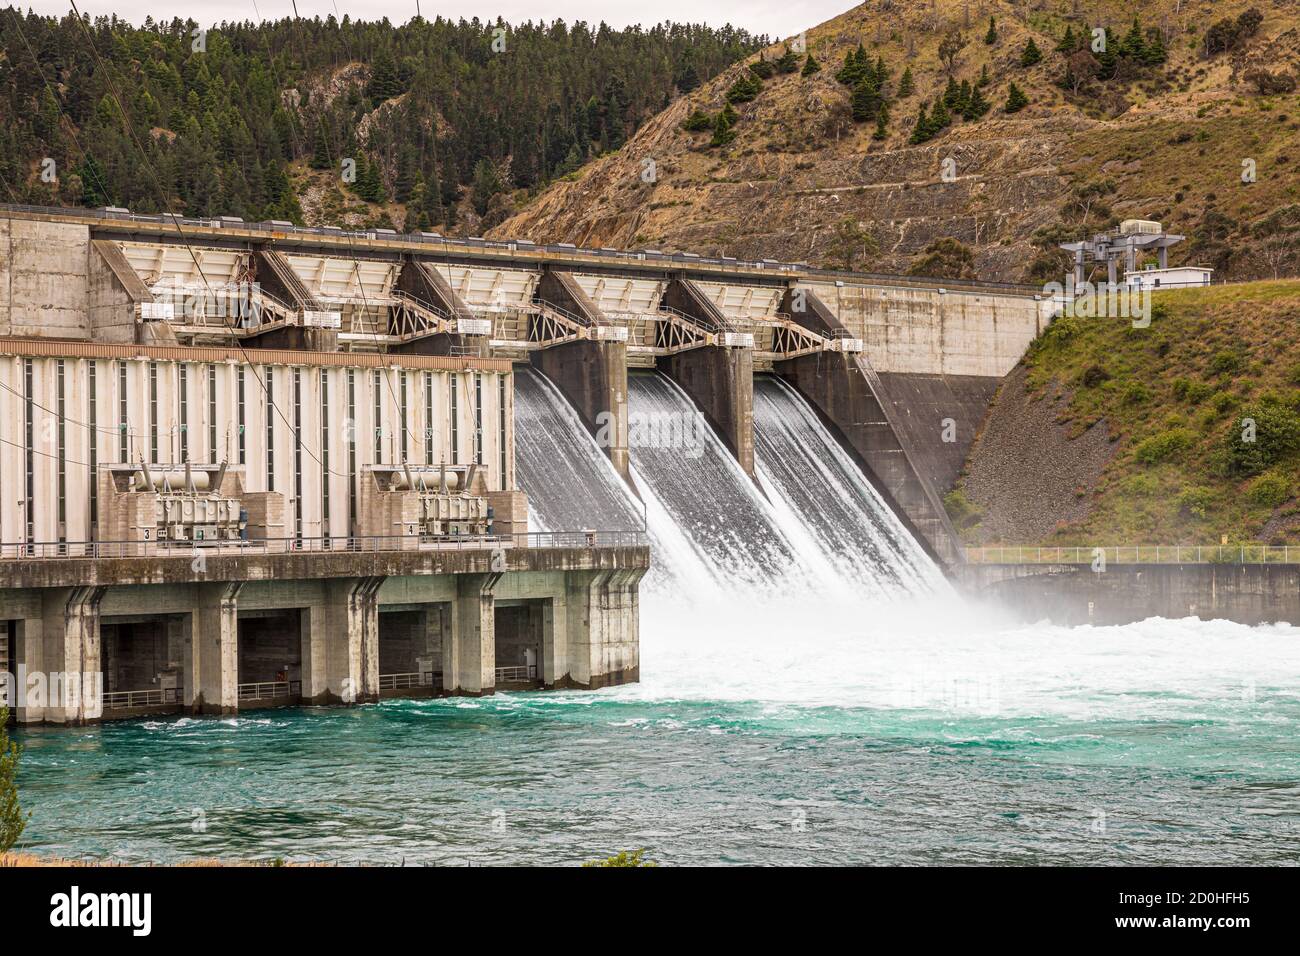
{"x": 1137, "y": 554}
{"x": 270, "y": 690}
{"x": 121, "y": 699}
{"x": 408, "y": 681}
{"x": 520, "y": 672}
{"x": 363, "y": 544}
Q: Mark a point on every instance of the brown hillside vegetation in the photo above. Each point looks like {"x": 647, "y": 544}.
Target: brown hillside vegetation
{"x": 1162, "y": 141}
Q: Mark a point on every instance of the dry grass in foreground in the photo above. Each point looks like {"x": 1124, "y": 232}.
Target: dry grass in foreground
{"x": 30, "y": 859}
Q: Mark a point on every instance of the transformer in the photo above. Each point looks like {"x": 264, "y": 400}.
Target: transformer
{"x": 190, "y": 504}
{"x": 428, "y": 501}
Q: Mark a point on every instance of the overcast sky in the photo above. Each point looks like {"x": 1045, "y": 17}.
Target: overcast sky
{"x": 777, "y": 18}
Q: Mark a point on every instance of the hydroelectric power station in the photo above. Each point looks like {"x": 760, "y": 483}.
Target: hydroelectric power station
{"x": 248, "y": 465}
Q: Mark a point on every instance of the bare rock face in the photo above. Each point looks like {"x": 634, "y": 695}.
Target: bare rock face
{"x": 799, "y": 164}
{"x": 1025, "y": 471}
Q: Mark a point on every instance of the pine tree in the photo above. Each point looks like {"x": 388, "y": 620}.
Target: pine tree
{"x": 1133, "y": 45}
{"x": 698, "y": 122}
{"x": 940, "y": 118}
{"x": 977, "y": 106}
{"x": 384, "y": 80}
{"x": 882, "y": 120}
{"x": 788, "y": 62}
{"x": 746, "y": 88}
{"x": 952, "y": 95}
{"x": 811, "y": 66}
{"x": 1031, "y": 54}
{"x": 1016, "y": 100}
{"x": 921, "y": 131}
{"x": 722, "y": 127}
{"x": 992, "y": 36}
{"x": 1068, "y": 42}
{"x": 688, "y": 78}
{"x": 983, "y": 81}
{"x": 866, "y": 100}
{"x": 906, "y": 85}
{"x": 1155, "y": 53}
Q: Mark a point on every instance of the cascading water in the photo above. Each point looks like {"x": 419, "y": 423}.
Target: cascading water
{"x": 814, "y": 484}
{"x": 819, "y": 531}
{"x": 570, "y": 483}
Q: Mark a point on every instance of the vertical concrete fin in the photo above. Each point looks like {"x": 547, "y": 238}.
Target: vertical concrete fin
{"x": 82, "y": 677}
{"x": 846, "y": 390}
{"x": 719, "y": 379}
{"x": 363, "y": 638}
{"x": 277, "y": 276}
{"x": 562, "y": 289}
{"x": 216, "y": 658}
{"x": 469, "y": 645}
{"x": 590, "y": 373}
{"x": 684, "y": 296}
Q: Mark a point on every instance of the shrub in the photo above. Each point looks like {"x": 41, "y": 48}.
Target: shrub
{"x": 12, "y": 820}
{"x": 1136, "y": 393}
{"x": 1141, "y": 485}
{"x": 1164, "y": 446}
{"x": 1225, "y": 362}
{"x": 1270, "y": 489}
{"x": 1093, "y": 376}
{"x": 961, "y": 510}
{"x": 635, "y": 858}
{"x": 1264, "y": 435}
{"x": 1195, "y": 501}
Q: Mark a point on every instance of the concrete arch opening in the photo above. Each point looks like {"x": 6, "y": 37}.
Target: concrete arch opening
{"x": 410, "y": 649}
{"x": 142, "y": 662}
{"x": 270, "y": 658}
{"x": 520, "y": 629}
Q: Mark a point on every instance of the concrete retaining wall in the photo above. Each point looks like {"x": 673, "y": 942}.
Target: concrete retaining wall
{"x": 1072, "y": 594}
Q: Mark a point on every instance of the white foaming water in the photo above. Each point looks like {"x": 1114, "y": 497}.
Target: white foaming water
{"x": 949, "y": 656}
{"x": 806, "y": 601}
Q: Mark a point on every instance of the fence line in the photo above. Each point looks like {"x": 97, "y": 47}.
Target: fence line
{"x": 26, "y": 551}
{"x": 1136, "y": 554}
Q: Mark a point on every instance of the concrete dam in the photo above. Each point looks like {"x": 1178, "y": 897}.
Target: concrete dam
{"x": 247, "y": 465}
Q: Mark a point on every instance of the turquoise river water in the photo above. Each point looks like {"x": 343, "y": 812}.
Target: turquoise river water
{"x": 933, "y": 734}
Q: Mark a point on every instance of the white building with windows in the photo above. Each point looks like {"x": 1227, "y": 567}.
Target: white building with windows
{"x": 1176, "y": 277}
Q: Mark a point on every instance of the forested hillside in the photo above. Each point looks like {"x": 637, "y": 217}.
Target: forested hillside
{"x": 442, "y": 119}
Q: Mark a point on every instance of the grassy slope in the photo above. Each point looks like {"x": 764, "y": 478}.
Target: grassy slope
{"x": 1209, "y": 357}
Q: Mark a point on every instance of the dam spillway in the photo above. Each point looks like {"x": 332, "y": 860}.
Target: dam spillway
{"x": 811, "y": 525}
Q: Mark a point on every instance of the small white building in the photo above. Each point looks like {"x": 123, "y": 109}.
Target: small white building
{"x": 1178, "y": 277}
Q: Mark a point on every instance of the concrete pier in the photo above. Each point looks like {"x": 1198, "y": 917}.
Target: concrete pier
{"x": 283, "y": 629}
{"x": 719, "y": 378}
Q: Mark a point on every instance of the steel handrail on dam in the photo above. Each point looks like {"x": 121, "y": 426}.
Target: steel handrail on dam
{"x": 22, "y": 551}
{"x": 1136, "y": 554}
